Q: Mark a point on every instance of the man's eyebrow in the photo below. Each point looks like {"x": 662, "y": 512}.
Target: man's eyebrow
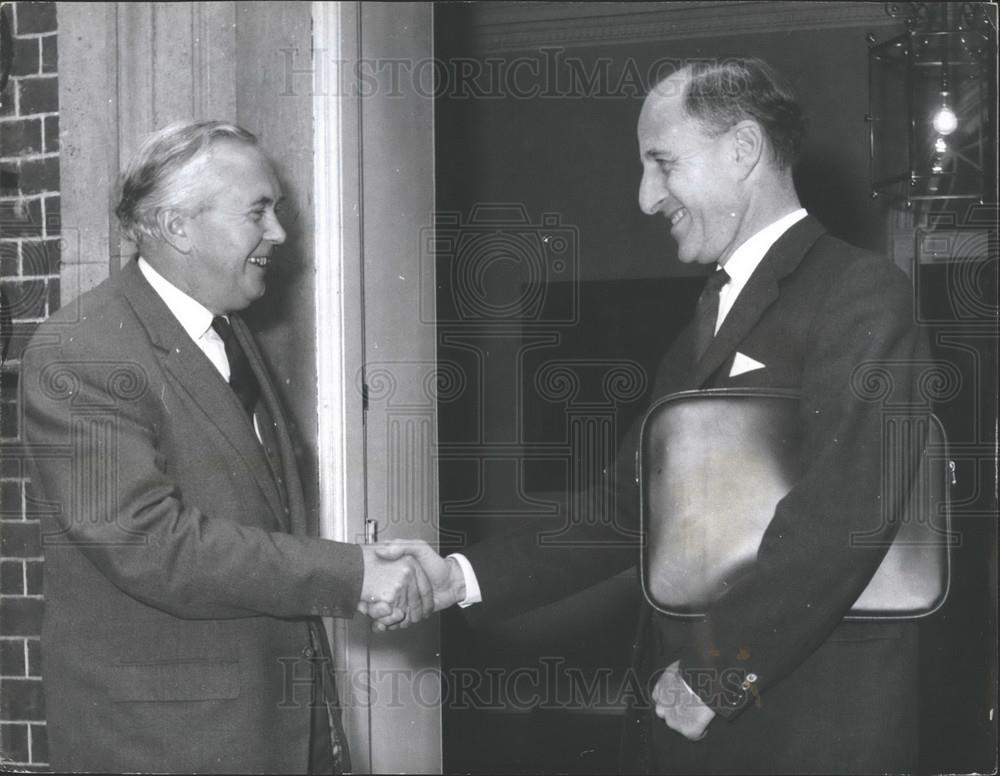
{"x": 265, "y": 200}
{"x": 654, "y": 153}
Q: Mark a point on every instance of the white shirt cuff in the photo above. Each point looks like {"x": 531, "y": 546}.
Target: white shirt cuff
{"x": 473, "y": 595}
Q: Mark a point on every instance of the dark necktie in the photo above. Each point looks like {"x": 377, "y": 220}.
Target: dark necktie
{"x": 241, "y": 376}
{"x": 707, "y": 311}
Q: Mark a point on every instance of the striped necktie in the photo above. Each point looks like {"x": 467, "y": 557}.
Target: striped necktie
{"x": 707, "y": 312}
{"x": 241, "y": 377}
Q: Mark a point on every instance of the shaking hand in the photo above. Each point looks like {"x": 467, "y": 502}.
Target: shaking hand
{"x": 395, "y": 592}
{"x": 444, "y": 575}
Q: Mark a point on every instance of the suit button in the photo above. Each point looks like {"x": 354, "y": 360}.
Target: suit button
{"x": 308, "y": 652}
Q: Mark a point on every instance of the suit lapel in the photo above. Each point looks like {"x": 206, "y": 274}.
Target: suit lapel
{"x": 760, "y": 292}
{"x": 200, "y": 380}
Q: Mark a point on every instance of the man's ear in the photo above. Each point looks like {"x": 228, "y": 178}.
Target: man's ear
{"x": 749, "y": 146}
{"x": 173, "y": 227}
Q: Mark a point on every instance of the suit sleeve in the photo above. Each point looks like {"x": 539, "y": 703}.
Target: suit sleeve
{"x": 808, "y": 571}
{"x": 536, "y": 566}
{"x": 132, "y": 520}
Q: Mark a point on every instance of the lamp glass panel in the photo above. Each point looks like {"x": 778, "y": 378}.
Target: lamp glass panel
{"x": 948, "y": 74}
{"x": 912, "y": 79}
{"x": 889, "y": 112}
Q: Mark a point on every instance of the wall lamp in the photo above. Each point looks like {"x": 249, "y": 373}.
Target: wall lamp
{"x": 932, "y": 104}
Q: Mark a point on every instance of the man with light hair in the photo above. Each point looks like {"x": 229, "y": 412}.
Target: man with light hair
{"x": 184, "y": 576}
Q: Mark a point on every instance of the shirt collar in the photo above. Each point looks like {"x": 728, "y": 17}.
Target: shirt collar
{"x": 745, "y": 259}
{"x": 194, "y": 317}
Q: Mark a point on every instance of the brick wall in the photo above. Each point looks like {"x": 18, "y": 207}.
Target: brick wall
{"x": 29, "y": 274}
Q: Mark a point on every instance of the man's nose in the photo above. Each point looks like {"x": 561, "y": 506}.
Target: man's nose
{"x": 275, "y": 232}
{"x": 650, "y": 194}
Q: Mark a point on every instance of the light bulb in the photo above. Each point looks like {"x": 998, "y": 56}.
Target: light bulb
{"x": 945, "y": 121}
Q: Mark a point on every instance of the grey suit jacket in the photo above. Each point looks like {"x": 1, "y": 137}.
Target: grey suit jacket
{"x": 181, "y": 568}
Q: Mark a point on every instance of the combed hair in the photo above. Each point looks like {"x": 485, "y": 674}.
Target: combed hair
{"x": 720, "y": 95}
{"x": 152, "y": 179}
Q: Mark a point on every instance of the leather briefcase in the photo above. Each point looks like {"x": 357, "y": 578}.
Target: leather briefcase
{"x": 701, "y": 534}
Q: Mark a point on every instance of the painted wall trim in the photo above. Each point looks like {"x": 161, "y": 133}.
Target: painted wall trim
{"x": 504, "y": 27}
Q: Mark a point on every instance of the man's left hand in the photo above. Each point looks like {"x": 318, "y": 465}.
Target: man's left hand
{"x": 679, "y": 706}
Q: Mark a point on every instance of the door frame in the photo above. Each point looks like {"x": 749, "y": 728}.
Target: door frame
{"x": 374, "y": 144}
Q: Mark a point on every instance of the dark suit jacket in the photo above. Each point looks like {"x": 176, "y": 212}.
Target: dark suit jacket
{"x": 836, "y": 324}
{"x": 181, "y": 584}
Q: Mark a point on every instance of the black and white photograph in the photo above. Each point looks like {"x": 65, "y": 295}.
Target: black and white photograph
{"x": 499, "y": 387}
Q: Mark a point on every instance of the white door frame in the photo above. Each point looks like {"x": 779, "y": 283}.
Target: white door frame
{"x": 369, "y": 314}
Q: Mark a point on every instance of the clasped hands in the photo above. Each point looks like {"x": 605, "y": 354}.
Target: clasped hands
{"x": 405, "y": 582}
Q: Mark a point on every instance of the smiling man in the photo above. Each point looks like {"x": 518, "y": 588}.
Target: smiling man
{"x": 772, "y": 679}
{"x": 721, "y": 176}
{"x": 184, "y": 576}
{"x": 788, "y": 306}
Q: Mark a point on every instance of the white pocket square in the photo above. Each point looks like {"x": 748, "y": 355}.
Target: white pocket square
{"x": 743, "y": 364}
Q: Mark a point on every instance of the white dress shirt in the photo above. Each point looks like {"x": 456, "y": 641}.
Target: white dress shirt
{"x": 747, "y": 257}
{"x": 194, "y": 318}
{"x": 740, "y": 266}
